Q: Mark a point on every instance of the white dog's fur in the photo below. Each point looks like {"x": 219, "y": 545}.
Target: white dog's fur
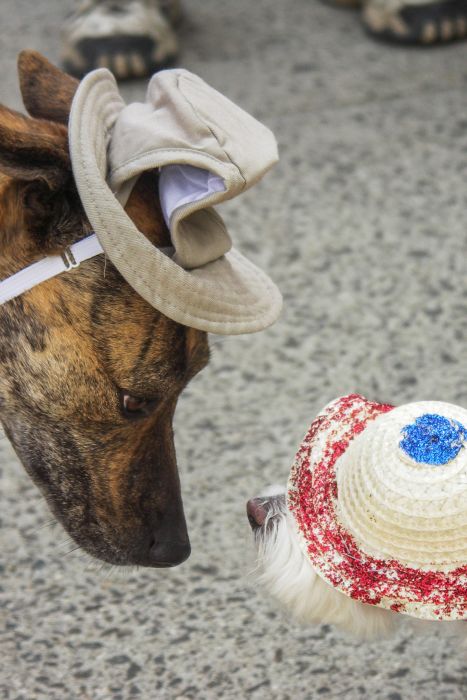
{"x": 286, "y": 572}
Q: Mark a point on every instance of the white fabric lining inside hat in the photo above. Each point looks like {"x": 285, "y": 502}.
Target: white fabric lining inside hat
{"x": 184, "y": 184}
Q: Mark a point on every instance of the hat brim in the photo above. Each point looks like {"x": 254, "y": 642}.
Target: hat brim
{"x": 333, "y": 552}
{"x": 228, "y": 296}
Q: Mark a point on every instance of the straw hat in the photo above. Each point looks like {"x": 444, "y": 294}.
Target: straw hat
{"x": 208, "y": 150}
{"x": 379, "y": 495}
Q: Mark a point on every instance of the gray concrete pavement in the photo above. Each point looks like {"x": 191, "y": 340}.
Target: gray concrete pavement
{"x": 363, "y": 226}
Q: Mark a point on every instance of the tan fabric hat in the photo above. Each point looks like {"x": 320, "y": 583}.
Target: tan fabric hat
{"x": 379, "y": 495}
{"x": 209, "y": 150}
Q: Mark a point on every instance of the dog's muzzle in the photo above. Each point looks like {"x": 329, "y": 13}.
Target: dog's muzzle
{"x": 262, "y": 510}
{"x": 256, "y": 510}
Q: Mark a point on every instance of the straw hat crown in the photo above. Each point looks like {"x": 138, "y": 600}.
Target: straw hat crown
{"x": 402, "y": 486}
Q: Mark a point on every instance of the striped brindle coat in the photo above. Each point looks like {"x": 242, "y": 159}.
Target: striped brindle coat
{"x": 89, "y": 373}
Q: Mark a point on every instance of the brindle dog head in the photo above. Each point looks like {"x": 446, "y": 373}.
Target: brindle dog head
{"x": 89, "y": 372}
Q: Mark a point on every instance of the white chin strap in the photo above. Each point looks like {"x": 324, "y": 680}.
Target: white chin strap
{"x": 49, "y": 267}
{"x": 178, "y": 185}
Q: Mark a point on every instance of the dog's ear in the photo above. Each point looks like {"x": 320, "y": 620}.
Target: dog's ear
{"x": 33, "y": 149}
{"x": 47, "y": 92}
{"x": 39, "y": 199}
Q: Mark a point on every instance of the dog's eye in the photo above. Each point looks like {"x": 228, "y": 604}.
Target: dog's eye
{"x": 133, "y": 406}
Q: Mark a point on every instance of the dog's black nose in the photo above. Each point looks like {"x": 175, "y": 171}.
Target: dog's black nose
{"x": 169, "y": 552}
{"x": 256, "y": 512}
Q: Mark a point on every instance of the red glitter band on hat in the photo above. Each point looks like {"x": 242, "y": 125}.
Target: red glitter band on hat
{"x": 333, "y": 551}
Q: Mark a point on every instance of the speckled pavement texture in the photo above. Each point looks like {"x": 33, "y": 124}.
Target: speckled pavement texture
{"x": 363, "y": 225}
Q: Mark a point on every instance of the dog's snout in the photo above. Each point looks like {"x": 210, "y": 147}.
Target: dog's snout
{"x": 164, "y": 542}
{"x": 169, "y": 552}
{"x": 256, "y": 510}
{"x": 171, "y": 544}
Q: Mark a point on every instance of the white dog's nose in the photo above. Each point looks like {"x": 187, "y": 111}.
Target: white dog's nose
{"x": 256, "y": 511}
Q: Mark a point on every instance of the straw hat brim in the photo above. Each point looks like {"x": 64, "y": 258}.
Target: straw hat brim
{"x": 333, "y": 551}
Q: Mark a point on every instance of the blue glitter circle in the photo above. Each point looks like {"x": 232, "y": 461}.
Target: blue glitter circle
{"x": 433, "y": 439}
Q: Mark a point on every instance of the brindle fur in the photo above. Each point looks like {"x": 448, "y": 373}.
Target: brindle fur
{"x": 72, "y": 344}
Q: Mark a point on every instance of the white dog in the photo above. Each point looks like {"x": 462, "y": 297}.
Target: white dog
{"x": 371, "y": 530}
